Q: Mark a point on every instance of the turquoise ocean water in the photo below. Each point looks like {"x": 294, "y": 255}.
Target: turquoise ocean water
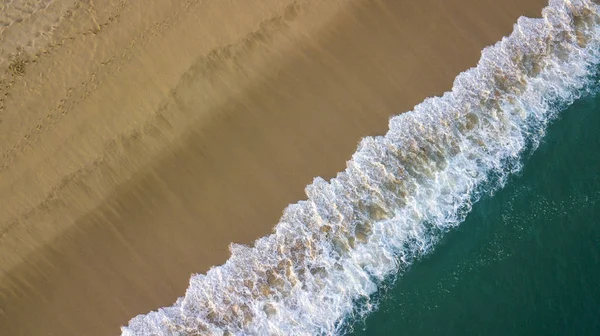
{"x": 526, "y": 261}
{"x": 482, "y": 204}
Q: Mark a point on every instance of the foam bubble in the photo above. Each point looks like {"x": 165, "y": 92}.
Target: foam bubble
{"x": 399, "y": 193}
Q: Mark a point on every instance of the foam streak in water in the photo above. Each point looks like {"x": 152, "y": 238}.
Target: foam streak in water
{"x": 399, "y": 193}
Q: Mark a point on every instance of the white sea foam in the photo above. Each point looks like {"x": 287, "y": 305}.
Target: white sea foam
{"x": 399, "y": 193}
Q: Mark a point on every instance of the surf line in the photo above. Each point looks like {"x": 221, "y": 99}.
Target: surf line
{"x": 399, "y": 193}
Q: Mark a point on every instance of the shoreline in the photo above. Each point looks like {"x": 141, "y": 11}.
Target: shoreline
{"x": 124, "y": 250}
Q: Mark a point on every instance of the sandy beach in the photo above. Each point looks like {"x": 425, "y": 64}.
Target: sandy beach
{"x": 138, "y": 139}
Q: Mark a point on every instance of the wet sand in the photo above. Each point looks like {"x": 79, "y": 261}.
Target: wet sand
{"x": 138, "y": 140}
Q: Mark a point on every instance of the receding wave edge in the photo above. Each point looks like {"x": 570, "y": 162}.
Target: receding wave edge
{"x": 399, "y": 193}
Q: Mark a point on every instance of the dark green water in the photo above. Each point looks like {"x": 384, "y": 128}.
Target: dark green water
{"x": 526, "y": 261}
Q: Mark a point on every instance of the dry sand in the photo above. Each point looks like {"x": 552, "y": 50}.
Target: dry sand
{"x": 139, "y": 138}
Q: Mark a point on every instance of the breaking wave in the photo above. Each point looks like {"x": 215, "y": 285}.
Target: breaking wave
{"x": 399, "y": 193}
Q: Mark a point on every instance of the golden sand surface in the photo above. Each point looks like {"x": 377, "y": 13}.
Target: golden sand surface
{"x": 139, "y": 138}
